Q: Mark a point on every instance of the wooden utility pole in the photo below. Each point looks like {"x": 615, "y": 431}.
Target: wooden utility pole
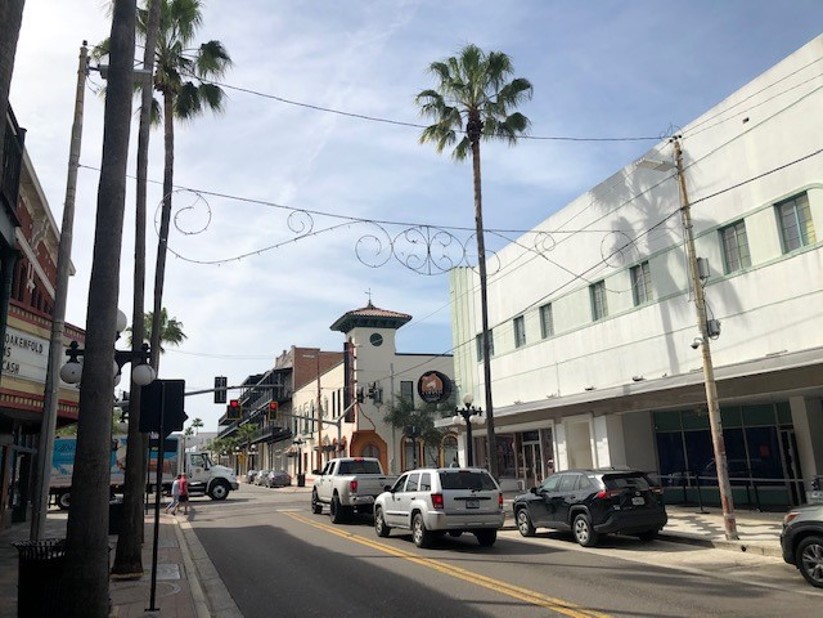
{"x": 61, "y": 288}
{"x": 715, "y": 422}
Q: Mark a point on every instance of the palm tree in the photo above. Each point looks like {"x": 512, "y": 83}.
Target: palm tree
{"x": 197, "y": 424}
{"x": 128, "y": 557}
{"x": 402, "y": 414}
{"x": 474, "y": 98}
{"x": 85, "y": 586}
{"x": 179, "y": 76}
{"x": 171, "y": 330}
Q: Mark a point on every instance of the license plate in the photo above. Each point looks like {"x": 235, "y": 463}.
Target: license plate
{"x": 472, "y": 504}
{"x": 638, "y": 501}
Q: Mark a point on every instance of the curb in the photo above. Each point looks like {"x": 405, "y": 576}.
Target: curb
{"x": 762, "y": 548}
{"x": 208, "y": 590}
{"x": 201, "y": 606}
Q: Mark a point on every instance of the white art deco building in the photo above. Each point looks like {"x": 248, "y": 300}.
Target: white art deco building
{"x": 594, "y": 359}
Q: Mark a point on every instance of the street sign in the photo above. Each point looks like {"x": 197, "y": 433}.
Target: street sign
{"x": 161, "y": 406}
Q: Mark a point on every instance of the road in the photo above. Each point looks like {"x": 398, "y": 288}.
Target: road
{"x": 277, "y": 558}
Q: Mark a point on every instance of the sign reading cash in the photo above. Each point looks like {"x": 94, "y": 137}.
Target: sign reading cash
{"x": 434, "y": 387}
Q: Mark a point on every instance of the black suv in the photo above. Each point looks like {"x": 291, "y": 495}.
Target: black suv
{"x": 802, "y": 541}
{"x": 591, "y": 503}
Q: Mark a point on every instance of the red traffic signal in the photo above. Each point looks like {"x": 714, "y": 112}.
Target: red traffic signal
{"x": 273, "y": 406}
{"x": 234, "y": 410}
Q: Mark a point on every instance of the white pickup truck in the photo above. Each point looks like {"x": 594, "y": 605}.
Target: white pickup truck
{"x": 347, "y": 484}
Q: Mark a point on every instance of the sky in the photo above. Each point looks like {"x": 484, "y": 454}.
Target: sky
{"x": 279, "y": 204}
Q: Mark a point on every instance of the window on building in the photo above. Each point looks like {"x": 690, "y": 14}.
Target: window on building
{"x": 407, "y": 391}
{"x": 478, "y": 340}
{"x": 796, "y": 226}
{"x": 519, "y": 332}
{"x": 736, "y": 254}
{"x": 597, "y": 292}
{"x": 641, "y": 283}
{"x": 546, "y": 321}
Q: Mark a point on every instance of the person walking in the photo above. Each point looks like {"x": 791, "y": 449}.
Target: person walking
{"x": 175, "y": 497}
{"x": 184, "y": 493}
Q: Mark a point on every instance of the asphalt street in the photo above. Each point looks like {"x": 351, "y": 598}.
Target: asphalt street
{"x": 274, "y": 555}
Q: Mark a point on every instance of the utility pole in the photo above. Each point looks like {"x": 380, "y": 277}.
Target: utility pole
{"x": 51, "y": 395}
{"x": 715, "y": 422}
{"x": 319, "y": 418}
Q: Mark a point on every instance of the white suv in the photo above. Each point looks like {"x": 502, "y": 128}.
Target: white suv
{"x": 434, "y": 501}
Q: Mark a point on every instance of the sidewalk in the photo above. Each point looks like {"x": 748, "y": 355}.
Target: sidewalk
{"x": 178, "y": 592}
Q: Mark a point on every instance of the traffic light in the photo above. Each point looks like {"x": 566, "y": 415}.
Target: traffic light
{"x": 220, "y": 384}
{"x": 272, "y": 411}
{"x": 234, "y": 411}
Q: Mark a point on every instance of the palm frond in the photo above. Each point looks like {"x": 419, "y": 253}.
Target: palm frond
{"x": 212, "y": 59}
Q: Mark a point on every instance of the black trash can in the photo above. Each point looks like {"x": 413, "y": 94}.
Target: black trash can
{"x": 115, "y": 515}
{"x": 40, "y": 576}
{"x": 301, "y": 480}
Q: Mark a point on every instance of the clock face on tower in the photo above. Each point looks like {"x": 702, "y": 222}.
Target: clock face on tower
{"x": 376, "y": 339}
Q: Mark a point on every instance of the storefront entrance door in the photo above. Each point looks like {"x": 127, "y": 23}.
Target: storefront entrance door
{"x": 531, "y": 463}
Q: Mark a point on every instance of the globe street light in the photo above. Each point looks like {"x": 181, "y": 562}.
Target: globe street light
{"x": 142, "y": 373}
{"x": 468, "y": 416}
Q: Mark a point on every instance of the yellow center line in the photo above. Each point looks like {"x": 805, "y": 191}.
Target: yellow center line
{"x": 522, "y": 594}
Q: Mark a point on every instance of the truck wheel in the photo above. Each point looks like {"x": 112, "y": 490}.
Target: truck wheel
{"x": 421, "y": 536}
{"x": 219, "y": 491}
{"x": 337, "y": 511}
{"x": 64, "y": 501}
{"x": 380, "y": 526}
{"x": 316, "y": 506}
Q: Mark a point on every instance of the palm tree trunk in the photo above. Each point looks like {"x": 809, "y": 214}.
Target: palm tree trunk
{"x": 474, "y": 128}
{"x": 86, "y": 583}
{"x": 163, "y": 241}
{"x": 128, "y": 559}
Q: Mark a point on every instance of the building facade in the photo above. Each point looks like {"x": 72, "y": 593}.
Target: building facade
{"x": 30, "y": 258}
{"x": 596, "y": 359}
{"x": 333, "y": 404}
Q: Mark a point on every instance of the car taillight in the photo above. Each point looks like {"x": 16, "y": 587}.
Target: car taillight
{"x": 500, "y": 501}
{"x": 353, "y": 486}
{"x": 437, "y": 501}
{"x": 605, "y": 494}
{"x": 790, "y": 516}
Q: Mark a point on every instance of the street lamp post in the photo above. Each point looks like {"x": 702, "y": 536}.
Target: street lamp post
{"x": 468, "y": 416}
{"x": 301, "y": 478}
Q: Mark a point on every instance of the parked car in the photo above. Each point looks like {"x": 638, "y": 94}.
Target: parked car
{"x": 591, "y": 503}
{"x": 260, "y": 478}
{"x": 434, "y": 501}
{"x": 277, "y": 478}
{"x": 802, "y": 541}
{"x": 250, "y": 476}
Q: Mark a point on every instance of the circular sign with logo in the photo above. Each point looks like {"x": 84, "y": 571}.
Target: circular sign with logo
{"x": 434, "y": 387}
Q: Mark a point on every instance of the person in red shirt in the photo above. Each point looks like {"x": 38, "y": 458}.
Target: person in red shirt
{"x": 184, "y": 494}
